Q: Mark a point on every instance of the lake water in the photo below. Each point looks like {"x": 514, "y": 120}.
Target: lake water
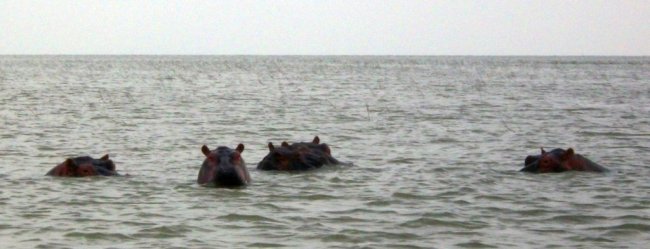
{"x": 436, "y": 143}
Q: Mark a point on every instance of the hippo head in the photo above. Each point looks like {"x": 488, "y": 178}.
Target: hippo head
{"x": 281, "y": 158}
{"x": 223, "y": 167}
{"x": 531, "y": 159}
{"x": 84, "y": 166}
{"x": 547, "y": 162}
{"x": 297, "y": 156}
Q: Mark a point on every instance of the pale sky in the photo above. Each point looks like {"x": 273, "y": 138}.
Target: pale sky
{"x": 321, "y": 27}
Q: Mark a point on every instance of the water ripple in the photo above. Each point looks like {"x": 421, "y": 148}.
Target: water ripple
{"x": 436, "y": 143}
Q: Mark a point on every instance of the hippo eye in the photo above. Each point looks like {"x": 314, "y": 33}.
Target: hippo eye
{"x": 235, "y": 157}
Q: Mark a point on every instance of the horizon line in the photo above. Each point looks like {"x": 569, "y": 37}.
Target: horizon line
{"x": 338, "y": 55}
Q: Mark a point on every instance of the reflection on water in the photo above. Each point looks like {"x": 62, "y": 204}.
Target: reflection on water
{"x": 437, "y": 143}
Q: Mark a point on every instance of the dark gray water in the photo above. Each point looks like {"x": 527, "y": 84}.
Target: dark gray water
{"x": 437, "y": 143}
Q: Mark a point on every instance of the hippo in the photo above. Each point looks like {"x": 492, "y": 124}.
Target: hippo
{"x": 223, "y": 167}
{"x": 298, "y": 156}
{"x": 559, "y": 160}
{"x": 84, "y": 166}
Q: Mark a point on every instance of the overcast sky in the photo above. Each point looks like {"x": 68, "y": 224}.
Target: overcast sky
{"x": 320, "y": 27}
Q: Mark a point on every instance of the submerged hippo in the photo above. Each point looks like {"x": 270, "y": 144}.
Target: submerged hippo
{"x": 298, "y": 156}
{"x": 559, "y": 160}
{"x": 84, "y": 166}
{"x": 223, "y": 167}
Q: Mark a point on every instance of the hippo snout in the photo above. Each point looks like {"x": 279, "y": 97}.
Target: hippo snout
{"x": 531, "y": 167}
{"x": 230, "y": 177}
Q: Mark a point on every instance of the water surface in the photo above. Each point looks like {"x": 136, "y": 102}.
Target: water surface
{"x": 436, "y": 142}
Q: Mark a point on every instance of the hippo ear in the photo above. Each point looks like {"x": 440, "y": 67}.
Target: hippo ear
{"x": 271, "y": 147}
{"x": 105, "y": 157}
{"x": 568, "y": 154}
{"x": 543, "y": 151}
{"x": 285, "y": 144}
{"x": 205, "y": 150}
{"x": 240, "y": 148}
{"x": 316, "y": 140}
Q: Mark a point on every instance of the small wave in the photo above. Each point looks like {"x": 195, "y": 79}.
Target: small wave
{"x": 46, "y": 148}
{"x": 341, "y": 238}
{"x": 99, "y": 236}
{"x": 633, "y": 217}
{"x": 6, "y": 226}
{"x": 246, "y": 217}
{"x": 381, "y": 203}
{"x": 163, "y": 232}
{"x": 402, "y": 160}
{"x": 347, "y": 219}
{"x": 362, "y": 211}
{"x": 627, "y": 226}
{"x": 317, "y": 197}
{"x": 136, "y": 223}
{"x": 455, "y": 193}
{"x": 409, "y": 196}
{"x": 265, "y": 245}
{"x": 400, "y": 246}
{"x": 495, "y": 198}
{"x": 381, "y": 234}
{"x": 533, "y": 212}
{"x": 426, "y": 222}
{"x": 576, "y": 219}
{"x": 613, "y": 134}
{"x": 590, "y": 239}
{"x": 269, "y": 206}
{"x": 475, "y": 244}
{"x": 444, "y": 140}
{"x": 52, "y": 245}
{"x": 152, "y": 215}
{"x": 584, "y": 108}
